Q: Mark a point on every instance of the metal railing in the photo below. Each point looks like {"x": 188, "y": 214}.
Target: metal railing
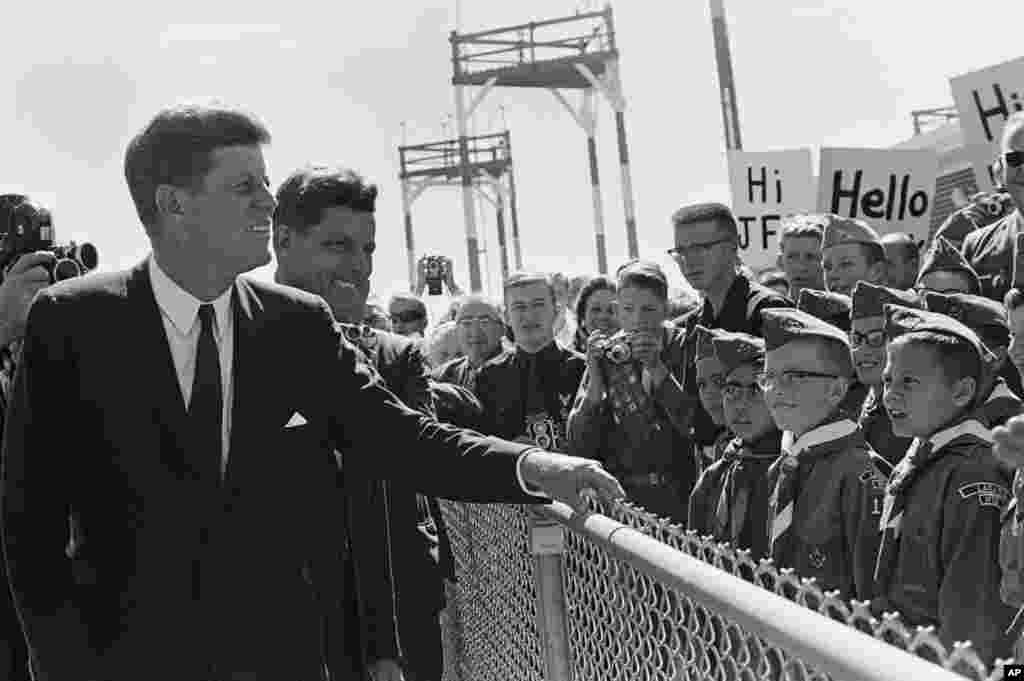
{"x": 546, "y": 595}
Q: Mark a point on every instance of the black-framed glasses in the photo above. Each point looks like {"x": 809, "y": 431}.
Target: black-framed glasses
{"x": 692, "y": 250}
{"x": 467, "y": 322}
{"x": 715, "y": 380}
{"x": 1012, "y": 159}
{"x": 873, "y": 339}
{"x": 770, "y": 379}
{"x": 734, "y": 392}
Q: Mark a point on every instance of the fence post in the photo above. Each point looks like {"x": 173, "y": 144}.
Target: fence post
{"x": 547, "y": 544}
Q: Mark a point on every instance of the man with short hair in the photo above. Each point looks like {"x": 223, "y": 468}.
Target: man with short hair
{"x": 324, "y": 242}
{"x": 527, "y": 391}
{"x": 989, "y": 250}
{"x": 408, "y": 315}
{"x": 706, "y": 250}
{"x": 851, "y": 252}
{"x": 800, "y": 253}
{"x": 194, "y": 517}
{"x": 480, "y": 330}
{"x": 902, "y": 259}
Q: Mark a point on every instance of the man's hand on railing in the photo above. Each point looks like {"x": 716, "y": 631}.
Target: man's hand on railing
{"x": 564, "y": 478}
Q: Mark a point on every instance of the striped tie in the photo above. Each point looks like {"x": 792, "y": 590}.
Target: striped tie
{"x": 782, "y": 501}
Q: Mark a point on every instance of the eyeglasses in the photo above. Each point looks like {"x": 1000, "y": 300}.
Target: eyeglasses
{"x": 1013, "y": 159}
{"x": 873, "y": 339}
{"x": 734, "y": 392}
{"x": 684, "y": 252}
{"x": 483, "y": 322}
{"x": 715, "y": 380}
{"x": 406, "y": 317}
{"x": 770, "y": 379}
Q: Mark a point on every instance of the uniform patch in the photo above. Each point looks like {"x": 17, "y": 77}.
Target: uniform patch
{"x": 988, "y": 493}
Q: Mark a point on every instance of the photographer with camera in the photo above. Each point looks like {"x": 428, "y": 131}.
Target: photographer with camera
{"x": 631, "y": 412}
{"x": 435, "y": 272}
{"x": 25, "y": 275}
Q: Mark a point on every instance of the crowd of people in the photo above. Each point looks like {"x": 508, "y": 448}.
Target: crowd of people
{"x": 254, "y": 491}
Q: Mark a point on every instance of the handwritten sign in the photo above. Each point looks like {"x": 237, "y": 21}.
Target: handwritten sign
{"x": 984, "y": 100}
{"x": 890, "y": 189}
{"x": 767, "y": 186}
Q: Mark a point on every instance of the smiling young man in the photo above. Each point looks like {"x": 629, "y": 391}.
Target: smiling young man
{"x": 989, "y": 250}
{"x": 800, "y": 253}
{"x": 938, "y": 564}
{"x": 527, "y": 390}
{"x": 867, "y": 342}
{"x": 851, "y": 252}
{"x": 730, "y": 500}
{"x": 652, "y": 458}
{"x": 828, "y": 482}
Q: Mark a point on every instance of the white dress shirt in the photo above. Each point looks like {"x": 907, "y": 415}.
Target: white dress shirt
{"x": 180, "y": 312}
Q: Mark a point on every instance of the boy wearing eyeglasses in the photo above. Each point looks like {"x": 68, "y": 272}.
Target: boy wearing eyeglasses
{"x": 867, "y": 343}
{"x": 944, "y": 270}
{"x": 938, "y": 564}
{"x": 834, "y": 309}
{"x": 989, "y": 250}
{"x": 730, "y": 500}
{"x": 827, "y": 483}
{"x": 710, "y": 378}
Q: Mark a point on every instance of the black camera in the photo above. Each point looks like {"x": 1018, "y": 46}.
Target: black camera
{"x": 27, "y": 227}
{"x": 435, "y": 272}
{"x": 616, "y": 348}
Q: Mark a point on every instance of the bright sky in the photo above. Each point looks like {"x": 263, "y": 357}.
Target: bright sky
{"x": 335, "y": 84}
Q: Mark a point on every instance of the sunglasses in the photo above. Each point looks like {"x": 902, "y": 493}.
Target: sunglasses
{"x": 1013, "y": 159}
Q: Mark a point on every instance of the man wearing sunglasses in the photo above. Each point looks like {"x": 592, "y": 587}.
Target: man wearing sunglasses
{"x": 989, "y": 250}
{"x": 707, "y": 253}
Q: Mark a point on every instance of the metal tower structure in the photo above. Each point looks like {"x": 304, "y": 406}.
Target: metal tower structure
{"x": 486, "y": 160}
{"x": 726, "y": 81}
{"x": 570, "y": 53}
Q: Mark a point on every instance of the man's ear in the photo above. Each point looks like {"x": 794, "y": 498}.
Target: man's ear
{"x": 878, "y": 272}
{"x": 169, "y": 200}
{"x": 837, "y": 393}
{"x": 282, "y": 237}
{"x": 964, "y": 391}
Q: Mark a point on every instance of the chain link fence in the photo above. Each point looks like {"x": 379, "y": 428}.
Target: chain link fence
{"x": 543, "y": 595}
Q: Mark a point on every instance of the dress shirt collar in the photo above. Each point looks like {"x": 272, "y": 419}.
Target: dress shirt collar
{"x": 180, "y": 306}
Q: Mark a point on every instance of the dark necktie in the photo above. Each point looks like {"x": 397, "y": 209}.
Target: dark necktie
{"x": 783, "y": 501}
{"x": 533, "y": 394}
{"x": 206, "y": 408}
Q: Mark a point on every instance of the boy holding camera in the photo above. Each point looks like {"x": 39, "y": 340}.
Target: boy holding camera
{"x": 827, "y": 484}
{"x": 631, "y": 411}
{"x": 730, "y": 500}
{"x": 938, "y": 562}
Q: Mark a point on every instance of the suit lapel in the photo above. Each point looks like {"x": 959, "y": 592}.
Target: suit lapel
{"x": 247, "y": 370}
{"x": 155, "y": 367}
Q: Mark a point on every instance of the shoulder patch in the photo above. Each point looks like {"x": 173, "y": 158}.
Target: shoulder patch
{"x": 988, "y": 494}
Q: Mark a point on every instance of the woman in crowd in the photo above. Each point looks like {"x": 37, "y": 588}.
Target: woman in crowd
{"x": 596, "y": 310}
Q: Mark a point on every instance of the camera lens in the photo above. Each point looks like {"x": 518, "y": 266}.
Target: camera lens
{"x": 66, "y": 269}
{"x": 88, "y": 256}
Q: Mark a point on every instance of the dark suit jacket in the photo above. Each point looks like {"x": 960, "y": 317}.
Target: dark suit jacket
{"x": 172, "y": 571}
{"x": 989, "y": 251}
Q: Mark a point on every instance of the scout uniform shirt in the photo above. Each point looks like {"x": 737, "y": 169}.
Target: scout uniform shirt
{"x": 825, "y": 507}
{"x": 730, "y": 500}
{"x": 877, "y": 427}
{"x": 938, "y": 563}
{"x": 527, "y": 397}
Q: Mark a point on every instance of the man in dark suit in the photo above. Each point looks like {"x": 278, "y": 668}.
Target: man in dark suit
{"x": 169, "y": 538}
{"x": 324, "y": 239}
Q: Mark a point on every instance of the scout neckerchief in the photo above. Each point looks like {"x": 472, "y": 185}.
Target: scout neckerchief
{"x": 731, "y": 510}
{"x": 920, "y": 455}
{"x": 783, "y": 499}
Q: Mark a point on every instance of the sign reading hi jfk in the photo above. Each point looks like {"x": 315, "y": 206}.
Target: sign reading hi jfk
{"x": 766, "y": 186}
{"x": 985, "y": 99}
{"x": 890, "y": 189}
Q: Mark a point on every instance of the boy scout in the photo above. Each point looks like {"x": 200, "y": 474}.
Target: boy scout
{"x": 944, "y": 270}
{"x": 867, "y": 341}
{"x": 730, "y": 501}
{"x": 710, "y": 379}
{"x": 835, "y": 309}
{"x": 851, "y": 252}
{"x": 996, "y": 400}
{"x": 938, "y": 562}
{"x": 827, "y": 484}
